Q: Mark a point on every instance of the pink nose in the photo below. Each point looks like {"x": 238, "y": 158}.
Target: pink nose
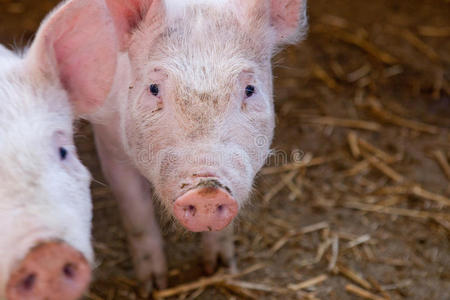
{"x": 205, "y": 209}
{"x": 50, "y": 271}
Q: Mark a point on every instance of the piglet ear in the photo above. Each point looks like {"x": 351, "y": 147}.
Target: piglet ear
{"x": 128, "y": 15}
{"x": 288, "y": 17}
{"x": 77, "y": 46}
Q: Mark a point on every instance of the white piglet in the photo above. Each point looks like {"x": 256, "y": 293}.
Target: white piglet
{"x": 192, "y": 113}
{"x": 45, "y": 203}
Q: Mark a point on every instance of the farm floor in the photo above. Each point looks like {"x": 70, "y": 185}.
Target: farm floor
{"x": 365, "y": 101}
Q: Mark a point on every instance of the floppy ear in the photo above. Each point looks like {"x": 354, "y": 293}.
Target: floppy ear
{"x": 76, "y": 45}
{"x": 289, "y": 19}
{"x": 129, "y": 14}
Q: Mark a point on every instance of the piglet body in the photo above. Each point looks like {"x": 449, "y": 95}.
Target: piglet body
{"x": 191, "y": 114}
{"x": 45, "y": 204}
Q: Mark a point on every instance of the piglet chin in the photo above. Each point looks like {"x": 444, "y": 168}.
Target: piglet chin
{"x": 205, "y": 209}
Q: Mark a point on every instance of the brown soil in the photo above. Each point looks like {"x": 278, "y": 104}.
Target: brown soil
{"x": 385, "y": 217}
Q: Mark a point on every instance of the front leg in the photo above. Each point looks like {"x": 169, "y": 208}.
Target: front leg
{"x": 219, "y": 246}
{"x": 133, "y": 194}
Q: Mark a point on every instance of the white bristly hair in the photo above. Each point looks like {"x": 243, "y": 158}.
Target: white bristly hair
{"x": 177, "y": 7}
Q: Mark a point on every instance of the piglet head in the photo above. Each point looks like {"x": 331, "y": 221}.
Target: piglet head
{"x": 45, "y": 204}
{"x": 199, "y": 117}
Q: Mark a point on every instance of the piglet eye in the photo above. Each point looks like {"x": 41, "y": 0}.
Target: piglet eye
{"x": 154, "y": 89}
{"x": 249, "y": 91}
{"x": 63, "y": 153}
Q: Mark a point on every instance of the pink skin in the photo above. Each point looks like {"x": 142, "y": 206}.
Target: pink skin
{"x": 205, "y": 209}
{"x": 135, "y": 203}
{"x": 80, "y": 60}
{"x": 200, "y": 127}
{"x": 50, "y": 271}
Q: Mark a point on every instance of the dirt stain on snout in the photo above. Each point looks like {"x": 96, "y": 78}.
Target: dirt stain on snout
{"x": 208, "y": 187}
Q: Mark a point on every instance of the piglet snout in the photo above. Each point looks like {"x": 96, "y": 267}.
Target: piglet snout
{"x": 51, "y": 271}
{"x": 205, "y": 208}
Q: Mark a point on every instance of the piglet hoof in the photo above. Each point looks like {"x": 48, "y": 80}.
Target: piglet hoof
{"x": 149, "y": 263}
{"x": 211, "y": 265}
{"x": 232, "y": 266}
{"x": 218, "y": 249}
{"x": 160, "y": 280}
{"x": 152, "y": 276}
{"x": 145, "y": 289}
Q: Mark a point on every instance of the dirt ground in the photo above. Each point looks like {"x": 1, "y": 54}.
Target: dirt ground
{"x": 365, "y": 101}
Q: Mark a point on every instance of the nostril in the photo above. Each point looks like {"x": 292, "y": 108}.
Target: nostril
{"x": 69, "y": 270}
{"x": 28, "y": 283}
{"x": 220, "y": 208}
{"x": 190, "y": 210}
